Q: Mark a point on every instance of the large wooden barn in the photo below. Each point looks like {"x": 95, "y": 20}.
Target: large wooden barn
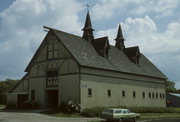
{"x": 91, "y": 71}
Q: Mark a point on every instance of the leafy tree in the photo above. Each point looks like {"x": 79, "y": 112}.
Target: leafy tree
{"x": 170, "y": 86}
{"x": 5, "y": 86}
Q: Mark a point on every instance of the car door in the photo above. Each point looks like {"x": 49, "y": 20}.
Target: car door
{"x": 124, "y": 114}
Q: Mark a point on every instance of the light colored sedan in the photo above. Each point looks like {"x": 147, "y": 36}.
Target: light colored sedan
{"x": 119, "y": 114}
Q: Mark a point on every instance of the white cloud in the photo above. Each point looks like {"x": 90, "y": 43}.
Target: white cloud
{"x": 21, "y": 30}
{"x": 105, "y": 9}
{"x": 162, "y": 8}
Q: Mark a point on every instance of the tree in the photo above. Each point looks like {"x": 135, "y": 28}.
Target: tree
{"x": 170, "y": 87}
{"x": 5, "y": 86}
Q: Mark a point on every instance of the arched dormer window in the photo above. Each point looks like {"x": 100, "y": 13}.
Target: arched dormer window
{"x": 52, "y": 48}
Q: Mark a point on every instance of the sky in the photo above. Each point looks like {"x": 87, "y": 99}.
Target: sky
{"x": 153, "y": 25}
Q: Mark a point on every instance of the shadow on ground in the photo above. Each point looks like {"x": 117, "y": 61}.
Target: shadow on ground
{"x": 22, "y": 111}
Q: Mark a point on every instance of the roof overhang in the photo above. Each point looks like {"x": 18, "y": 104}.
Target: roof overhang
{"x": 16, "y": 93}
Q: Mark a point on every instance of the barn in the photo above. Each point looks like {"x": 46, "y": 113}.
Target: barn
{"x": 90, "y": 71}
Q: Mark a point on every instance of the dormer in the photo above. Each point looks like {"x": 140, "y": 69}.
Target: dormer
{"x": 102, "y": 46}
{"x": 133, "y": 54}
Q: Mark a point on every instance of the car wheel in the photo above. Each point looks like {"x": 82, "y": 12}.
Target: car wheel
{"x": 135, "y": 119}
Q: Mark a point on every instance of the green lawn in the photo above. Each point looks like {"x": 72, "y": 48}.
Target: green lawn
{"x": 160, "y": 114}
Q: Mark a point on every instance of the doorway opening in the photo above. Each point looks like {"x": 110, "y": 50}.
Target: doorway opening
{"x": 52, "y": 98}
{"x": 21, "y": 98}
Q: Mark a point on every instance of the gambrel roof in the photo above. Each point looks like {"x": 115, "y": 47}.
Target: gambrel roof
{"x": 86, "y": 55}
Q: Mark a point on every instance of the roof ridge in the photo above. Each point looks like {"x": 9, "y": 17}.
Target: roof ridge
{"x": 62, "y": 31}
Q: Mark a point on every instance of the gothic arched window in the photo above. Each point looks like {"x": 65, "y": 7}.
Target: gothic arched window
{"x": 52, "y": 49}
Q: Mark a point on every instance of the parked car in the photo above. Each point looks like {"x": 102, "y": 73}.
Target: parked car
{"x": 111, "y": 114}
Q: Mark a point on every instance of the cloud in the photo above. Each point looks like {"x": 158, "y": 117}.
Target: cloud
{"x": 106, "y": 9}
{"x": 21, "y": 30}
{"x": 162, "y": 8}
{"x": 161, "y": 47}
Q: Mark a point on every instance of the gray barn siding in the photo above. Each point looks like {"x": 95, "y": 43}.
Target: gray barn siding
{"x": 100, "y": 84}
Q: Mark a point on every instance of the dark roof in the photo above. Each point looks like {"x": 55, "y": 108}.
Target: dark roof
{"x": 17, "y": 84}
{"x": 101, "y": 43}
{"x": 175, "y": 94}
{"x": 86, "y": 55}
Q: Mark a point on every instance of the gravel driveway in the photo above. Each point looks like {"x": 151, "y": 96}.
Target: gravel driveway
{"x": 36, "y": 117}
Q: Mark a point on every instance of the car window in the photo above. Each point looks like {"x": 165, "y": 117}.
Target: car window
{"x": 108, "y": 111}
{"x": 124, "y": 111}
{"x": 118, "y": 111}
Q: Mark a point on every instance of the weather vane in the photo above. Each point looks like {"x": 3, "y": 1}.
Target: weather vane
{"x": 87, "y": 5}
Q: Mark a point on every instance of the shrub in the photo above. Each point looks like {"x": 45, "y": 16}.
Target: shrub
{"x": 148, "y": 109}
{"x": 92, "y": 112}
{"x": 70, "y": 107}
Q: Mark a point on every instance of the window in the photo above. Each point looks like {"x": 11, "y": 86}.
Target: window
{"x": 52, "y": 50}
{"x": 134, "y": 94}
{"x": 124, "y": 111}
{"x": 123, "y": 93}
{"x": 163, "y": 96}
{"x": 153, "y": 95}
{"x": 32, "y": 95}
{"x": 149, "y": 94}
{"x": 89, "y": 92}
{"x": 156, "y": 95}
{"x": 118, "y": 111}
{"x": 143, "y": 94}
{"x": 160, "y": 95}
{"x": 109, "y": 93}
{"x": 52, "y": 78}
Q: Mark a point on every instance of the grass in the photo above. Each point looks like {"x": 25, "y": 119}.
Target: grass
{"x": 160, "y": 114}
{"x": 144, "y": 116}
{"x": 57, "y": 113}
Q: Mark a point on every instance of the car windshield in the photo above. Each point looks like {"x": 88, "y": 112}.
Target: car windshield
{"x": 118, "y": 111}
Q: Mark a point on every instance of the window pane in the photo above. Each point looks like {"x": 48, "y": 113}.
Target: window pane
{"x": 109, "y": 93}
{"x": 50, "y": 47}
{"x": 143, "y": 94}
{"x": 118, "y": 111}
{"x": 50, "y": 55}
{"x": 149, "y": 95}
{"x": 56, "y": 46}
{"x": 156, "y": 95}
{"x": 124, "y": 111}
{"x": 153, "y": 95}
{"x": 123, "y": 93}
{"x": 56, "y": 54}
{"x": 89, "y": 92}
{"x": 134, "y": 94}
